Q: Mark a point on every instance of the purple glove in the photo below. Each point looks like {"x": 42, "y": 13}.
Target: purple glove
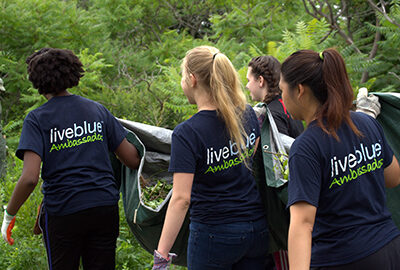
{"x": 160, "y": 263}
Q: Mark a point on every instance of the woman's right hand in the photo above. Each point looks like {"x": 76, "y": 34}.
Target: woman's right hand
{"x": 7, "y": 226}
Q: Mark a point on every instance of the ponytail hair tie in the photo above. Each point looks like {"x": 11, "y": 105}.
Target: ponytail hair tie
{"x": 321, "y": 55}
{"x": 214, "y": 55}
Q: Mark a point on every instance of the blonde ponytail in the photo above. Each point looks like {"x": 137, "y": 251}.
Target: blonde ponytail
{"x": 217, "y": 75}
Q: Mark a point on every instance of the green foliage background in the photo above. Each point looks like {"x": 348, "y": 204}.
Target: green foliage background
{"x": 132, "y": 50}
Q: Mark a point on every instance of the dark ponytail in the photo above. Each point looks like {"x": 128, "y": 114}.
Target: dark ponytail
{"x": 325, "y": 74}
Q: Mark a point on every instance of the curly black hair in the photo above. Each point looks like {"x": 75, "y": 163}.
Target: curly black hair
{"x": 52, "y": 71}
{"x": 270, "y": 69}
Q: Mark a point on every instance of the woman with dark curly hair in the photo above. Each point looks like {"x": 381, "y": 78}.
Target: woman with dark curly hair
{"x": 71, "y": 137}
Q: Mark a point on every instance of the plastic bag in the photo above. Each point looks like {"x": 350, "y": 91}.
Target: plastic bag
{"x": 279, "y": 153}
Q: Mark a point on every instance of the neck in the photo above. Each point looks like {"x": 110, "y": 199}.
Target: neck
{"x": 205, "y": 105}
{"x": 310, "y": 111}
{"x": 264, "y": 92}
{"x": 206, "y": 108}
{"x": 307, "y": 104}
{"x": 60, "y": 94}
{"x": 204, "y": 101}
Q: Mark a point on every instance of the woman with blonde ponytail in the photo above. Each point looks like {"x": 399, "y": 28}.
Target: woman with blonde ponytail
{"x": 211, "y": 161}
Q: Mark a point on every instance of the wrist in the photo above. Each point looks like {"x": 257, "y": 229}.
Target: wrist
{"x": 162, "y": 254}
{"x": 7, "y": 217}
{"x": 8, "y": 214}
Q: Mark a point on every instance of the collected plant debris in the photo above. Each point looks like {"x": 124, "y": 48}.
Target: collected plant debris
{"x": 282, "y": 164}
{"x": 154, "y": 195}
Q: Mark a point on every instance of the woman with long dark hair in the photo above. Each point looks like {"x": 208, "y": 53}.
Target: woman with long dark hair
{"x": 339, "y": 168}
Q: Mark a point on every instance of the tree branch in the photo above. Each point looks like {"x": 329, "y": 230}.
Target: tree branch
{"x": 395, "y": 75}
{"x": 329, "y": 17}
{"x": 383, "y": 12}
{"x": 372, "y": 53}
{"x": 326, "y": 36}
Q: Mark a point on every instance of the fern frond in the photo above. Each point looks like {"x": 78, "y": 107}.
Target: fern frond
{"x": 12, "y": 125}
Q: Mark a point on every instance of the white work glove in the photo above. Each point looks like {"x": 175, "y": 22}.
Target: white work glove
{"x": 261, "y": 113}
{"x": 368, "y": 104}
{"x": 7, "y": 226}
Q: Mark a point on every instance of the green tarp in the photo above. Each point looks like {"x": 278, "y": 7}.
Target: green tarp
{"x": 389, "y": 118}
{"x": 144, "y": 222}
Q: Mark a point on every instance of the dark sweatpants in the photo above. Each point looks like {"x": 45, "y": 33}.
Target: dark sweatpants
{"x": 90, "y": 234}
{"x": 387, "y": 258}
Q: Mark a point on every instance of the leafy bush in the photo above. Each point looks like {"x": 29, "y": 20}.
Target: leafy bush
{"x": 132, "y": 50}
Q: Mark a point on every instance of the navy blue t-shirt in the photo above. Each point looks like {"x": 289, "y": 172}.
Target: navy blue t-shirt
{"x": 224, "y": 189}
{"x": 345, "y": 181}
{"x": 73, "y": 136}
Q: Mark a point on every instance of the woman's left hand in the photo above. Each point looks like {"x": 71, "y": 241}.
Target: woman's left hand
{"x": 368, "y": 103}
{"x": 161, "y": 263}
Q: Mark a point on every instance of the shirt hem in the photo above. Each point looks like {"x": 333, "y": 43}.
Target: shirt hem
{"x": 78, "y": 209}
{"x": 353, "y": 258}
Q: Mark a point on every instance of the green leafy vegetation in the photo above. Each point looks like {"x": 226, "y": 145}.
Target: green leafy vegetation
{"x": 132, "y": 51}
{"x": 154, "y": 195}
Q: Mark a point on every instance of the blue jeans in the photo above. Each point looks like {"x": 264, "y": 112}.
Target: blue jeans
{"x": 240, "y": 245}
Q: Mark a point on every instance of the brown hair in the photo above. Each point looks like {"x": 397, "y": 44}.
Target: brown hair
{"x": 325, "y": 74}
{"x": 215, "y": 72}
{"x": 269, "y": 68}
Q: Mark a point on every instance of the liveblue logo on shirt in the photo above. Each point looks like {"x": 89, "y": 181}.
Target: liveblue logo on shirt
{"x": 228, "y": 155}
{"x": 76, "y": 135}
{"x": 346, "y": 166}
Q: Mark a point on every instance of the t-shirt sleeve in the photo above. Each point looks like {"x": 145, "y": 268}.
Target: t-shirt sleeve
{"x": 115, "y": 132}
{"x": 387, "y": 150}
{"x": 253, "y": 121}
{"x": 304, "y": 184}
{"x": 183, "y": 157}
{"x": 31, "y": 138}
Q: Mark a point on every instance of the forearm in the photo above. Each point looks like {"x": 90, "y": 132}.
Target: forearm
{"x": 128, "y": 154}
{"x": 22, "y": 190}
{"x": 174, "y": 218}
{"x": 299, "y": 246}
